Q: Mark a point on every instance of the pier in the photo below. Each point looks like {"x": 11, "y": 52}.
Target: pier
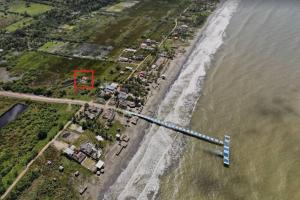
{"x": 186, "y": 131}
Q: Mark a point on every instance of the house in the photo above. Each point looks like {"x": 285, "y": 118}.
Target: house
{"x": 68, "y": 152}
{"x": 129, "y": 50}
{"x": 90, "y": 150}
{"x": 99, "y": 138}
{"x": 138, "y": 57}
{"x": 143, "y": 46}
{"x": 123, "y": 59}
{"x": 122, "y": 104}
{"x": 109, "y": 115}
{"x": 109, "y": 89}
{"x": 78, "y": 156}
{"x": 122, "y": 95}
{"x": 100, "y": 165}
{"x": 84, "y": 79}
{"x": 129, "y": 68}
{"x": 131, "y": 104}
{"x": 124, "y": 89}
{"x": 87, "y": 148}
{"x": 134, "y": 120}
{"x": 114, "y": 85}
{"x": 125, "y": 138}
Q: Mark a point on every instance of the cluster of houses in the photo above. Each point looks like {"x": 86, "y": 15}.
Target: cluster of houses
{"x": 87, "y": 155}
{"x": 180, "y": 31}
{"x": 149, "y": 44}
{"x": 118, "y": 96}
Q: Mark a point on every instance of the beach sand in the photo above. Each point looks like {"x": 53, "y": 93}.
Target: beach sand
{"x": 114, "y": 165}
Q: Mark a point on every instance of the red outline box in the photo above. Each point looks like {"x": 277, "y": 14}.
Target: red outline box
{"x": 84, "y": 87}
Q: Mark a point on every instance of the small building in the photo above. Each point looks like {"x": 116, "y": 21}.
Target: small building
{"x": 76, "y": 174}
{"x": 134, "y": 120}
{"x": 109, "y": 89}
{"x": 90, "y": 150}
{"x": 129, "y": 50}
{"x": 99, "y": 138}
{"x": 123, "y": 59}
{"x": 100, "y": 165}
{"x": 109, "y": 115}
{"x": 122, "y": 95}
{"x": 143, "y": 46}
{"x": 61, "y": 168}
{"x": 122, "y": 104}
{"x": 87, "y": 148}
{"x": 125, "y": 138}
{"x": 84, "y": 79}
{"x": 78, "y": 156}
{"x": 69, "y": 152}
{"x": 131, "y": 104}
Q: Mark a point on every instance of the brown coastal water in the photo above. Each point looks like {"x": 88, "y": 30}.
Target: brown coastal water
{"x": 251, "y": 92}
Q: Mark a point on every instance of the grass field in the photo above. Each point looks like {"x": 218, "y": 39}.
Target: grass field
{"x": 119, "y": 7}
{"x": 46, "y": 182}
{"x": 52, "y": 46}
{"x": 57, "y": 68}
{"x": 7, "y": 19}
{"x": 32, "y": 9}
{"x": 19, "y": 24}
{"x": 22, "y": 138}
{"x": 127, "y": 28}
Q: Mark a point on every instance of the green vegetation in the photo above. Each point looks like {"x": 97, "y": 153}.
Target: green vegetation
{"x": 44, "y": 181}
{"x": 19, "y": 24}
{"x": 22, "y": 139}
{"x": 28, "y": 8}
{"x": 6, "y": 103}
{"x": 7, "y": 18}
{"x": 51, "y": 46}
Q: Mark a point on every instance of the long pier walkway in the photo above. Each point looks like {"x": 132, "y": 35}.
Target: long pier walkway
{"x": 186, "y": 131}
{"x": 179, "y": 129}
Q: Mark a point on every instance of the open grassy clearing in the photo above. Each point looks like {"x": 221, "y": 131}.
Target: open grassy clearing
{"x": 19, "y": 24}
{"x": 52, "y": 46}
{"x": 22, "y": 138}
{"x": 146, "y": 19}
{"x": 119, "y": 7}
{"x": 139, "y": 22}
{"x": 7, "y": 19}
{"x": 44, "y": 181}
{"x": 29, "y": 8}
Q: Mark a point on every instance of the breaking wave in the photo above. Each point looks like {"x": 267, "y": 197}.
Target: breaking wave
{"x": 140, "y": 180}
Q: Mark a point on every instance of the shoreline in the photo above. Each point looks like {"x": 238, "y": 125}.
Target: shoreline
{"x": 137, "y": 133}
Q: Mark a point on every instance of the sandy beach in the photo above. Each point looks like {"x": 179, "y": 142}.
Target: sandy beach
{"x": 116, "y": 164}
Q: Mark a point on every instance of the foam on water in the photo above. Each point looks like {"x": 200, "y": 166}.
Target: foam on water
{"x": 140, "y": 180}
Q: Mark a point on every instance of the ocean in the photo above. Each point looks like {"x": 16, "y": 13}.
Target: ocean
{"x": 242, "y": 79}
{"x": 252, "y": 93}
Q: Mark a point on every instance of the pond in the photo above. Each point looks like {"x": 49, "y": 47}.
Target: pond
{"x": 12, "y": 114}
